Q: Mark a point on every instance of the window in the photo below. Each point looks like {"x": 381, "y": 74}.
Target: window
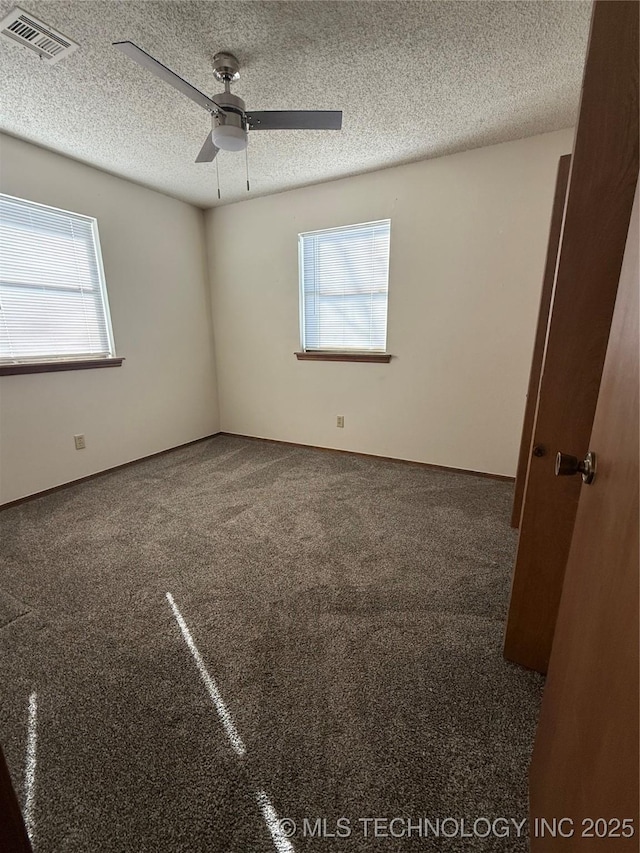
{"x": 344, "y": 282}
{"x": 53, "y": 299}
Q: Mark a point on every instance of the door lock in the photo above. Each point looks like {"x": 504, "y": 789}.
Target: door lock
{"x": 567, "y": 465}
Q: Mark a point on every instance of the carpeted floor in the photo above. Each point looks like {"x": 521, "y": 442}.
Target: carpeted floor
{"x": 350, "y": 612}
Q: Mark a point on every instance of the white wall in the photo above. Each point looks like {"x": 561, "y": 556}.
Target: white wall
{"x": 165, "y": 393}
{"x": 468, "y": 242}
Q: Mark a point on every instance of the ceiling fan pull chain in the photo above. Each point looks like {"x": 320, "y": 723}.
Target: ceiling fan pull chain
{"x": 218, "y": 177}
{"x": 246, "y": 162}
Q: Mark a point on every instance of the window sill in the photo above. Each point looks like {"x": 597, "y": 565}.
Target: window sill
{"x": 371, "y": 357}
{"x": 55, "y": 366}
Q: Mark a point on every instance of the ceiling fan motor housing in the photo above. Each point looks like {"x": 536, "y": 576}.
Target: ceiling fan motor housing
{"x": 229, "y": 128}
{"x": 230, "y": 103}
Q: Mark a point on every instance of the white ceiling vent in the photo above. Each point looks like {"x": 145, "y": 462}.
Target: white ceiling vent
{"x": 49, "y": 44}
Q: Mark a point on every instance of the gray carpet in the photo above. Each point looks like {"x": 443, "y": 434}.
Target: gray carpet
{"x": 350, "y": 611}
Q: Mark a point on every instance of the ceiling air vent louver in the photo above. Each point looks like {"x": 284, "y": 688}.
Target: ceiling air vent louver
{"x": 49, "y": 44}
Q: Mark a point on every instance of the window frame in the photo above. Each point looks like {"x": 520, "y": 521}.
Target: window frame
{"x": 346, "y": 354}
{"x": 40, "y": 364}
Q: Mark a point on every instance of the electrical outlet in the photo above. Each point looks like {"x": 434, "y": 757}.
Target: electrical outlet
{"x": 340, "y": 421}
{"x": 80, "y": 442}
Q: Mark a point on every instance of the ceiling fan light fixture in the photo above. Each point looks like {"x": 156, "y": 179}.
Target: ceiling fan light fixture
{"x": 229, "y": 138}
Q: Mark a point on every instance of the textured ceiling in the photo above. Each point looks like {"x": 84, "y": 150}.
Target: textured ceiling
{"x": 414, "y": 80}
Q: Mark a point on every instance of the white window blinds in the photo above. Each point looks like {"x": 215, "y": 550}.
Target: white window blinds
{"x": 344, "y": 282}
{"x": 53, "y": 301}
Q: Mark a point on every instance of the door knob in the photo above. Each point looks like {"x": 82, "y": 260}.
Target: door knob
{"x": 567, "y": 465}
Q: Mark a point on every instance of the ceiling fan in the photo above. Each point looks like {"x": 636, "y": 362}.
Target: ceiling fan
{"x": 230, "y": 120}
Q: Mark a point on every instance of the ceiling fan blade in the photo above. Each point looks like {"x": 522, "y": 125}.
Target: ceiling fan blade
{"x": 295, "y": 120}
{"x": 208, "y": 151}
{"x": 142, "y": 58}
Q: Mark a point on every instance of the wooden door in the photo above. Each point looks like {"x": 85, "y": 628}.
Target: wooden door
{"x": 585, "y": 761}
{"x": 604, "y": 172}
{"x": 526, "y": 447}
